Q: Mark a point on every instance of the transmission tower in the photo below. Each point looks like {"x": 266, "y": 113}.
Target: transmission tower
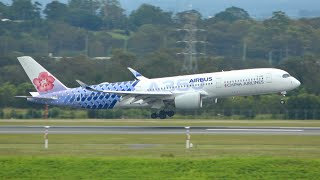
{"x": 190, "y": 64}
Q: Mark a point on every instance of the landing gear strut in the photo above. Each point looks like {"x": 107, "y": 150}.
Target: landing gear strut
{"x": 162, "y": 114}
{"x": 282, "y": 101}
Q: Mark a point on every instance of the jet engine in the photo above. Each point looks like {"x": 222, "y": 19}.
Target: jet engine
{"x": 188, "y": 101}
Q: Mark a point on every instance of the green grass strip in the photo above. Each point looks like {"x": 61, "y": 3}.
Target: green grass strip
{"x": 157, "y": 168}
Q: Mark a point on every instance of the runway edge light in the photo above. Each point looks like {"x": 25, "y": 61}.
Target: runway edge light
{"x": 46, "y": 138}
{"x": 188, "y": 137}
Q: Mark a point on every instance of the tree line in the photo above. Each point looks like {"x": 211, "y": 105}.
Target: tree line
{"x": 146, "y": 39}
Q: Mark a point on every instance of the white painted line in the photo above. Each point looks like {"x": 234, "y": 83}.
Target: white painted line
{"x": 270, "y": 130}
{"x": 67, "y": 132}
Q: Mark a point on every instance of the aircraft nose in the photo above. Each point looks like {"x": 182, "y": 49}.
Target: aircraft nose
{"x": 296, "y": 83}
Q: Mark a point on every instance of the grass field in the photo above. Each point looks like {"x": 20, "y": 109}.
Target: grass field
{"x": 150, "y": 146}
{"x": 164, "y": 168}
{"x": 125, "y": 156}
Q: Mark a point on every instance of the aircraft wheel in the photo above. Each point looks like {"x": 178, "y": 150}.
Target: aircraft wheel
{"x": 282, "y": 101}
{"x": 162, "y": 115}
{"x": 170, "y": 113}
{"x": 154, "y": 115}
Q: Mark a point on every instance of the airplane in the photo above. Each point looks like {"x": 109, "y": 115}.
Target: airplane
{"x": 163, "y": 95}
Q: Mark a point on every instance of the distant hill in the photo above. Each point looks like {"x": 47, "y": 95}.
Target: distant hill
{"x": 259, "y": 9}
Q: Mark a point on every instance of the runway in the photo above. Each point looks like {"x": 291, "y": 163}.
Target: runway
{"x": 160, "y": 130}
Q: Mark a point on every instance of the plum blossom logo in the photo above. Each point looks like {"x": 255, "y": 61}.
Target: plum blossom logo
{"x": 44, "y": 82}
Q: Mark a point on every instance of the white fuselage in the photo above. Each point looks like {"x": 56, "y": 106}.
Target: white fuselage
{"x": 224, "y": 84}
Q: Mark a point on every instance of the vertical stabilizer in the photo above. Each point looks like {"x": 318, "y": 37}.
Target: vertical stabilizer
{"x": 43, "y": 81}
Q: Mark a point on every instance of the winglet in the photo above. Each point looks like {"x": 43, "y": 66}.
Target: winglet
{"x": 136, "y": 74}
{"x": 87, "y": 87}
{"x": 84, "y": 85}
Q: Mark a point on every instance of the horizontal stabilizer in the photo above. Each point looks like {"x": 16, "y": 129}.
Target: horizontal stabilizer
{"x": 34, "y": 94}
{"x": 44, "y": 98}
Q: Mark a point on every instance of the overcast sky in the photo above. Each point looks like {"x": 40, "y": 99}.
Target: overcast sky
{"x": 256, "y": 8}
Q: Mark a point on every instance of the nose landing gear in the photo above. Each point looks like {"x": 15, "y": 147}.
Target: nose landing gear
{"x": 282, "y": 100}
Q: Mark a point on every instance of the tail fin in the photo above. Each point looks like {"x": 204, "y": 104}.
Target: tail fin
{"x": 43, "y": 81}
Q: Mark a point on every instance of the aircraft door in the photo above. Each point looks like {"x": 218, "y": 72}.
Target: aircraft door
{"x": 218, "y": 83}
{"x": 268, "y": 78}
{"x": 138, "y": 88}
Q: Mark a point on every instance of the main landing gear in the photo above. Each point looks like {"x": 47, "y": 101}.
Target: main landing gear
{"x": 162, "y": 114}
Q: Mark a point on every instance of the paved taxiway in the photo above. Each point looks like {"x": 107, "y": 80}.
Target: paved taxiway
{"x": 160, "y": 130}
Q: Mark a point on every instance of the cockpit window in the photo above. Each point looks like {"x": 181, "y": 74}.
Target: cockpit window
{"x": 286, "y": 75}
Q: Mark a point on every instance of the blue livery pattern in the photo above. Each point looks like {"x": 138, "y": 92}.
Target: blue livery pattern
{"x": 82, "y": 98}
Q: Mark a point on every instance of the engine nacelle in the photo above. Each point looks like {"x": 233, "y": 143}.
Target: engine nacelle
{"x": 191, "y": 100}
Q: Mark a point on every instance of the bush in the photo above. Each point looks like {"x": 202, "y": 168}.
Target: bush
{"x": 1, "y": 114}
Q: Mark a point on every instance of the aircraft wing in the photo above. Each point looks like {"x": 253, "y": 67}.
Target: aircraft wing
{"x": 123, "y": 93}
{"x": 135, "y": 97}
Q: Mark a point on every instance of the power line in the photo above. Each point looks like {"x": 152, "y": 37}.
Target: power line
{"x": 190, "y": 53}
